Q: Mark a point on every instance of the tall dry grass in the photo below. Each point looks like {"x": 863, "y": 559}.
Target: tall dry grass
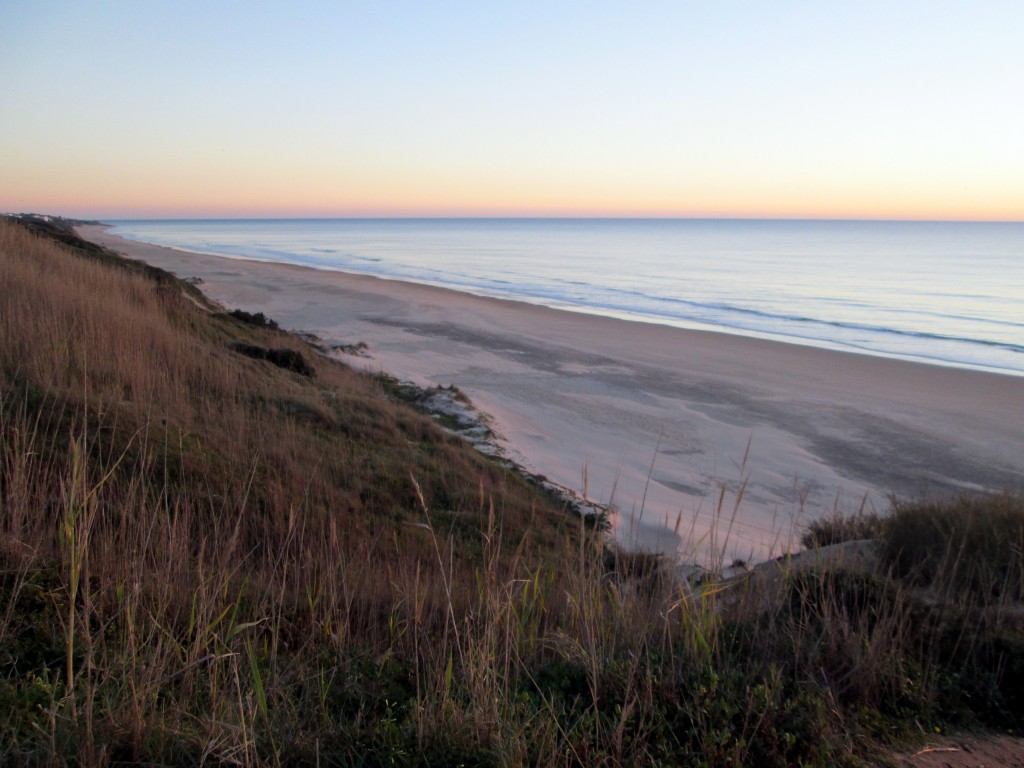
{"x": 60, "y": 330}
{"x": 208, "y": 560}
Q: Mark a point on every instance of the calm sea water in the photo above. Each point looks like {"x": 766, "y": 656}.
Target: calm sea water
{"x": 950, "y": 293}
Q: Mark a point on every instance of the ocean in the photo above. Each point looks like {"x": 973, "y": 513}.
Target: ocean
{"x": 947, "y": 293}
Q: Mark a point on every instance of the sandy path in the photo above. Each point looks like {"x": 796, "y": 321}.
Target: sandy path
{"x": 573, "y": 394}
{"x": 982, "y": 751}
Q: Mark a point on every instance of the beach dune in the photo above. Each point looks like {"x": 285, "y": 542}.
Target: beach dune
{"x": 701, "y": 441}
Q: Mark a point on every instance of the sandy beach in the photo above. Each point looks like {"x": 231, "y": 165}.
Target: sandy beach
{"x": 665, "y": 424}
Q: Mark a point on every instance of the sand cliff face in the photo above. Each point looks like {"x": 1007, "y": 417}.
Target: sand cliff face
{"x": 691, "y": 435}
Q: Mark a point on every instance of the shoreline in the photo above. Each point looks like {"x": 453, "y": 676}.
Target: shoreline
{"x": 622, "y": 314}
{"x": 667, "y": 424}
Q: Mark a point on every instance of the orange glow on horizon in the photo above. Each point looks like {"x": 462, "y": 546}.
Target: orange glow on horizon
{"x": 239, "y": 192}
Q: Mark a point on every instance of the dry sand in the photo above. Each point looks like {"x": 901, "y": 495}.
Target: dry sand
{"x": 576, "y": 396}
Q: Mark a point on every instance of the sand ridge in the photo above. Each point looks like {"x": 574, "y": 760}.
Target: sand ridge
{"x": 666, "y": 424}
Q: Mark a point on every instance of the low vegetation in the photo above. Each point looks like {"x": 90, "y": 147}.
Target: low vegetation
{"x": 837, "y": 528}
{"x": 962, "y": 548}
{"x": 254, "y": 318}
{"x": 207, "y": 557}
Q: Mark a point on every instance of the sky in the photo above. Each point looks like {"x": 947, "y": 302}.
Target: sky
{"x": 896, "y": 109}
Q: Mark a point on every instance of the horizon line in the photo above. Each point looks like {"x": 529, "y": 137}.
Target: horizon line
{"x": 521, "y": 217}
{"x": 514, "y": 217}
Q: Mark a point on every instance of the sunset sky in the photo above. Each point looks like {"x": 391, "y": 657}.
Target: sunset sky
{"x": 805, "y": 109}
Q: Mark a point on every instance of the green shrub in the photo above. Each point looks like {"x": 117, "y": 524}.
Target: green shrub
{"x": 969, "y": 545}
{"x": 254, "y": 318}
{"x": 838, "y": 528}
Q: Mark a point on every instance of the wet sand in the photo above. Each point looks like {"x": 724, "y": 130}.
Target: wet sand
{"x": 668, "y": 425}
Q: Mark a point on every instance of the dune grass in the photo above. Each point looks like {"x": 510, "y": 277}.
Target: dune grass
{"x": 969, "y": 547}
{"x": 207, "y": 558}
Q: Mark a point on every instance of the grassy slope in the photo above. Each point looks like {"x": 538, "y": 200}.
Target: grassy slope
{"x": 206, "y": 557}
{"x": 149, "y": 467}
